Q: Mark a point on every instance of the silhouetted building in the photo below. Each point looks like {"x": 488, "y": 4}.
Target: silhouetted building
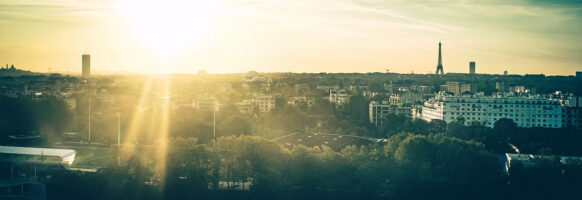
{"x": 572, "y": 116}
{"x": 440, "y": 62}
{"x": 500, "y": 86}
{"x": 11, "y": 68}
{"x": 86, "y": 65}
{"x": 535, "y": 76}
{"x": 472, "y": 67}
{"x": 505, "y": 72}
{"x": 579, "y": 75}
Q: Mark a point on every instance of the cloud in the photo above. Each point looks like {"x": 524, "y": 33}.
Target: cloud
{"x": 53, "y": 11}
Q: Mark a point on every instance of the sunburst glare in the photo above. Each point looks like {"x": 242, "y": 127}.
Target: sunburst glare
{"x": 172, "y": 26}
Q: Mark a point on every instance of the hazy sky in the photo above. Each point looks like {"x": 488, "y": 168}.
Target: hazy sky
{"x": 175, "y": 36}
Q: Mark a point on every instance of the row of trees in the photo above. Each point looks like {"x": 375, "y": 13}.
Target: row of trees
{"x": 47, "y": 116}
{"x": 499, "y": 139}
{"x": 506, "y": 136}
{"x": 408, "y": 166}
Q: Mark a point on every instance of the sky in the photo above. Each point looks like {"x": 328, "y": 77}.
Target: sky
{"x": 233, "y": 36}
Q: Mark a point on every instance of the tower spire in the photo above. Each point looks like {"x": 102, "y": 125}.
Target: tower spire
{"x": 440, "y": 62}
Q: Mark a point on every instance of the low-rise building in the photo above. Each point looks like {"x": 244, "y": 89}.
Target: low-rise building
{"x": 301, "y": 89}
{"x": 246, "y": 106}
{"x": 517, "y": 89}
{"x": 294, "y": 101}
{"x": 379, "y": 111}
{"x": 207, "y": 103}
{"x": 572, "y": 117}
{"x": 338, "y": 96}
{"x": 420, "y": 88}
{"x": 529, "y": 160}
{"x": 327, "y": 87}
{"x": 266, "y": 103}
{"x": 572, "y": 112}
{"x": 458, "y": 88}
{"x": 500, "y": 86}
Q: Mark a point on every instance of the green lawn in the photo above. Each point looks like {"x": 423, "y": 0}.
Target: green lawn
{"x": 87, "y": 156}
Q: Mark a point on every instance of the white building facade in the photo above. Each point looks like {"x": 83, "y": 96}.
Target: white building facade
{"x": 432, "y": 110}
{"x": 486, "y": 110}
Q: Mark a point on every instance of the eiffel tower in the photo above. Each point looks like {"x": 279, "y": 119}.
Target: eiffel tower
{"x": 440, "y": 64}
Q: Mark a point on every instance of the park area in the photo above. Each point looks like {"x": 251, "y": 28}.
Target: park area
{"x": 86, "y": 156}
{"x": 334, "y": 141}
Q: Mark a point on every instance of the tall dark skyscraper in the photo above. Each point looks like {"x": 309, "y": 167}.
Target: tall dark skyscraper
{"x": 472, "y": 67}
{"x": 440, "y": 64}
{"x": 86, "y": 65}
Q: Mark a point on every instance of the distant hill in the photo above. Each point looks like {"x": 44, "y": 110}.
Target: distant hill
{"x": 12, "y": 71}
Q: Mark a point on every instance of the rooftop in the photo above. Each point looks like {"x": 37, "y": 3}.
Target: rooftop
{"x": 66, "y": 155}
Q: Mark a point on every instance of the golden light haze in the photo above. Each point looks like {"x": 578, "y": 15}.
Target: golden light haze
{"x": 228, "y": 36}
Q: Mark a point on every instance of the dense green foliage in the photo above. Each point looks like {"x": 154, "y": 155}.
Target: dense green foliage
{"x": 29, "y": 116}
{"x": 408, "y": 166}
{"x": 543, "y": 141}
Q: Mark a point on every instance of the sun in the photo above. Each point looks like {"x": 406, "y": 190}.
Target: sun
{"x": 170, "y": 26}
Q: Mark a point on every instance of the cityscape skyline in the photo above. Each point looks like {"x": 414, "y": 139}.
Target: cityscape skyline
{"x": 290, "y": 99}
{"x": 86, "y": 69}
{"x": 320, "y": 36}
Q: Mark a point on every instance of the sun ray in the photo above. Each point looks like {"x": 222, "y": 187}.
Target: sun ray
{"x": 164, "y": 129}
{"x": 128, "y": 148}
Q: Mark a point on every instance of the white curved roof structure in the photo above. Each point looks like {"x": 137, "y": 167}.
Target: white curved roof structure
{"x": 67, "y": 155}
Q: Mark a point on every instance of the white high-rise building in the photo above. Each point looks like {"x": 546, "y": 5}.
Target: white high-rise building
{"x": 486, "y": 110}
